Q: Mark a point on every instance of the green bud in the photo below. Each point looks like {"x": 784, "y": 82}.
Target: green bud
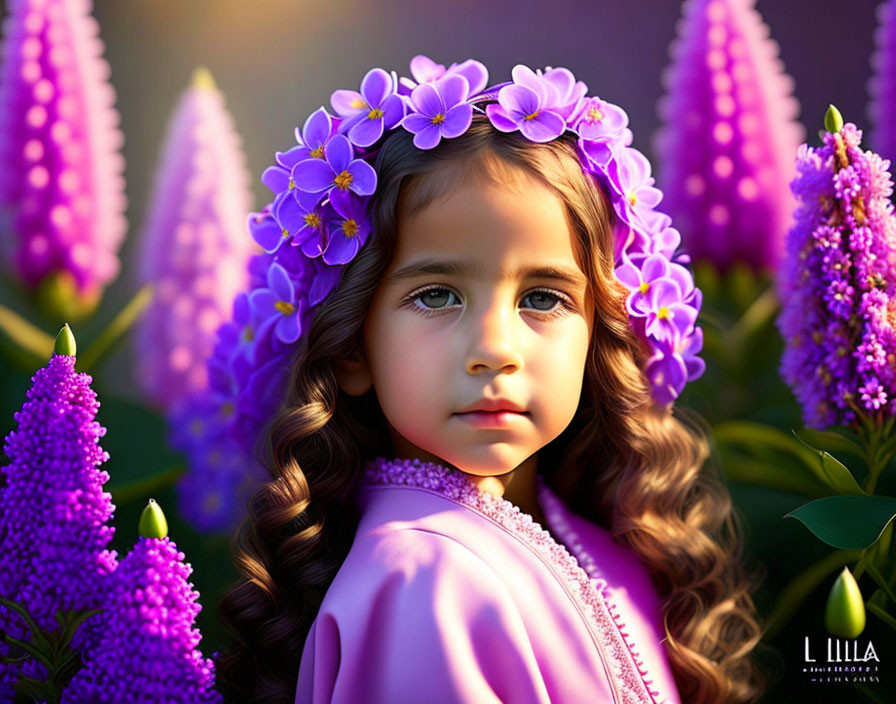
{"x": 65, "y": 342}
{"x": 152, "y": 521}
{"x": 833, "y": 120}
{"x": 844, "y": 614}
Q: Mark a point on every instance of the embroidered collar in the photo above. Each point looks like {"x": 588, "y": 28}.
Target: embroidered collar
{"x": 577, "y": 570}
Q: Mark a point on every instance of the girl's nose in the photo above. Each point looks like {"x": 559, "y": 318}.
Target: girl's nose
{"x": 493, "y": 344}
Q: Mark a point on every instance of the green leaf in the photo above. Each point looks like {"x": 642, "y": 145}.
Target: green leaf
{"x": 25, "y": 335}
{"x": 37, "y": 633}
{"x": 834, "y": 471}
{"x": 119, "y": 325}
{"x": 882, "y": 615}
{"x": 775, "y": 458}
{"x": 35, "y": 652}
{"x": 36, "y": 690}
{"x": 847, "y": 522}
{"x": 71, "y": 622}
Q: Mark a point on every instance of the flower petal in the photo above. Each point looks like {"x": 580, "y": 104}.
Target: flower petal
{"x": 394, "y": 108}
{"x": 313, "y": 175}
{"x": 266, "y": 232}
{"x": 339, "y": 153}
{"x": 366, "y": 132}
{"x": 415, "y": 122}
{"x": 475, "y": 73}
{"x": 280, "y": 283}
{"x": 375, "y": 86}
{"x": 500, "y": 119}
{"x": 341, "y": 249}
{"x": 288, "y": 329}
{"x": 424, "y": 69}
{"x": 317, "y": 128}
{"x": 347, "y": 102}
{"x": 453, "y": 89}
{"x": 427, "y": 101}
{"x": 363, "y": 177}
{"x": 276, "y": 178}
{"x": 522, "y": 99}
{"x": 547, "y": 126}
{"x": 428, "y": 138}
{"x": 457, "y": 121}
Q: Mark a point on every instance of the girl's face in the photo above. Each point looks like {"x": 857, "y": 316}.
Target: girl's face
{"x": 483, "y": 301}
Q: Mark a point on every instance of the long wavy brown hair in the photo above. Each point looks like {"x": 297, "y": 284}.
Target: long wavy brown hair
{"x": 625, "y": 463}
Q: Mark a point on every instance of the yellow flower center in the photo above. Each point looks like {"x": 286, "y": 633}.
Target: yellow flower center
{"x": 595, "y": 115}
{"x": 285, "y": 233}
{"x": 350, "y": 228}
{"x": 375, "y": 114}
{"x": 312, "y": 220}
{"x": 227, "y": 409}
{"x": 292, "y": 183}
{"x": 662, "y": 313}
{"x": 438, "y": 119}
{"x": 531, "y": 116}
{"x": 248, "y": 333}
{"x": 284, "y": 307}
{"x": 318, "y": 153}
{"x": 343, "y": 180}
{"x": 358, "y": 103}
{"x": 644, "y": 287}
{"x": 632, "y": 199}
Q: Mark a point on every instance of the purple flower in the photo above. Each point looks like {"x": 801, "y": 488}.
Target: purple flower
{"x": 340, "y": 171}
{"x": 349, "y": 231}
{"x": 669, "y": 318}
{"x": 442, "y": 111}
{"x": 193, "y": 246}
{"x": 632, "y": 183}
{"x": 528, "y": 105}
{"x": 376, "y": 108}
{"x": 425, "y": 70}
{"x": 673, "y": 365}
{"x": 728, "y": 130}
{"x": 61, "y": 169}
{"x": 312, "y": 140}
{"x": 149, "y": 648}
{"x": 640, "y": 273}
{"x": 278, "y": 306}
{"x": 599, "y": 120}
{"x": 838, "y": 285}
{"x": 54, "y": 513}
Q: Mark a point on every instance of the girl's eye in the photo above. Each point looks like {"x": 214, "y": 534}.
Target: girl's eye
{"x": 432, "y": 300}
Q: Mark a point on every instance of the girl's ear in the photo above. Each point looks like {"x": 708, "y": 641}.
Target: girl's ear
{"x": 353, "y": 375}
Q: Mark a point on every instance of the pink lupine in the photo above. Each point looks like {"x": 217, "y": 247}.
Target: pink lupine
{"x": 194, "y": 246}
{"x": 728, "y": 136}
{"x": 882, "y": 86}
{"x": 61, "y": 170}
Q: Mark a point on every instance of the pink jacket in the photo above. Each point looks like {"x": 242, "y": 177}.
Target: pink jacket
{"x": 451, "y": 594}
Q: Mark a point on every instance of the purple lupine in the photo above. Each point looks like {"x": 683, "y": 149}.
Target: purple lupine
{"x": 728, "y": 130}
{"x": 441, "y": 111}
{"x": 148, "y": 651}
{"x": 882, "y": 86}
{"x": 838, "y": 284}
{"x": 194, "y": 247}
{"x": 54, "y": 513}
{"x": 61, "y": 168}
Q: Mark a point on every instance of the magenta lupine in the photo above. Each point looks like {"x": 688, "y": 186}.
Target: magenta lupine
{"x": 61, "y": 168}
{"x": 148, "y": 651}
{"x": 194, "y": 246}
{"x": 54, "y": 513}
{"x": 727, "y": 136}
{"x": 838, "y": 284}
{"x": 882, "y": 86}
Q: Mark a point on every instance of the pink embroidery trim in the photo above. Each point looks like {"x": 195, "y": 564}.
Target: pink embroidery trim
{"x": 590, "y": 592}
{"x": 568, "y": 535}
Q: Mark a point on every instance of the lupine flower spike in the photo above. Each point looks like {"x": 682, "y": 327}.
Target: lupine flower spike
{"x": 149, "y": 649}
{"x": 54, "y": 513}
{"x": 194, "y": 247}
{"x": 728, "y": 132}
{"x": 61, "y": 168}
{"x": 838, "y": 283}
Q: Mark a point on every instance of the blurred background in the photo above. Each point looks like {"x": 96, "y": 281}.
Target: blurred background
{"x": 276, "y": 61}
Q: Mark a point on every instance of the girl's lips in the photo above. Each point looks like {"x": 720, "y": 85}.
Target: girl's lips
{"x": 491, "y": 419}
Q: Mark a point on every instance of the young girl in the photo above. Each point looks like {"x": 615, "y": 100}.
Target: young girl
{"x": 481, "y": 492}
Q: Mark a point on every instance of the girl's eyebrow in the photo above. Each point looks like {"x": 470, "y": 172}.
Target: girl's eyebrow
{"x": 462, "y": 268}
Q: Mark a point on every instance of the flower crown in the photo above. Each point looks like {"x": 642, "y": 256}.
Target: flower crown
{"x": 318, "y": 220}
